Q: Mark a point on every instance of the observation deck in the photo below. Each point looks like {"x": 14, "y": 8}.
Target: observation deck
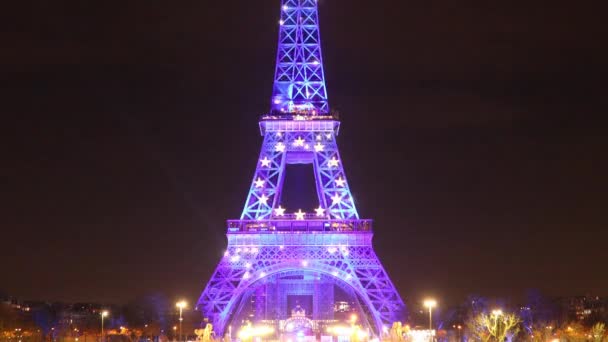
{"x": 309, "y": 224}
{"x": 300, "y": 115}
{"x": 285, "y": 232}
{"x": 278, "y": 121}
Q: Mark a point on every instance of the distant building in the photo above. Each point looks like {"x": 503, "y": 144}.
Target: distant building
{"x": 584, "y": 308}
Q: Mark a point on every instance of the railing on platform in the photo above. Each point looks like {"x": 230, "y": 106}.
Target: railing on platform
{"x": 300, "y": 115}
{"x": 307, "y": 225}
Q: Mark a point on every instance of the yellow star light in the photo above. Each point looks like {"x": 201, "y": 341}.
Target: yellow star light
{"x": 259, "y": 183}
{"x": 340, "y": 182}
{"x": 299, "y": 142}
{"x": 320, "y": 211}
{"x": 300, "y": 214}
{"x": 336, "y": 199}
{"x": 265, "y": 162}
{"x": 279, "y": 211}
{"x": 264, "y": 199}
{"x": 332, "y": 162}
{"x": 280, "y": 147}
{"x": 319, "y": 147}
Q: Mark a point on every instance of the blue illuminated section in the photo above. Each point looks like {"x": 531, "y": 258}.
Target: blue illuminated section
{"x": 347, "y": 257}
{"x": 299, "y": 142}
{"x": 299, "y": 82}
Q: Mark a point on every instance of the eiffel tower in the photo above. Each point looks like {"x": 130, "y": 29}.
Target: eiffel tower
{"x": 276, "y": 254}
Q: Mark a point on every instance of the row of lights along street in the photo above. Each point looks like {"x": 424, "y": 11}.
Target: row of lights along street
{"x": 181, "y": 305}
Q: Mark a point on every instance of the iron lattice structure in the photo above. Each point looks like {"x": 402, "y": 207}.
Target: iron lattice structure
{"x": 299, "y": 142}
{"x": 268, "y": 239}
{"x": 299, "y": 82}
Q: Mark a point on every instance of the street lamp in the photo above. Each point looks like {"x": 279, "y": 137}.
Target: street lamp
{"x": 181, "y": 305}
{"x": 430, "y": 304}
{"x": 103, "y": 314}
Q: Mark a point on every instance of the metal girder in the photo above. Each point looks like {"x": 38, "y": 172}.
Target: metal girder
{"x": 355, "y": 266}
{"x": 299, "y": 82}
{"x": 281, "y": 148}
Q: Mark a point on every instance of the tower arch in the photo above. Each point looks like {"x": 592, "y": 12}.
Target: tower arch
{"x": 339, "y": 278}
{"x": 345, "y": 257}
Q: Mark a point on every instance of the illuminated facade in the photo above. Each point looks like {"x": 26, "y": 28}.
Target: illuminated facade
{"x": 276, "y": 253}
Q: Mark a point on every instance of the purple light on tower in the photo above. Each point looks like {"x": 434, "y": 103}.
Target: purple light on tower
{"x": 274, "y": 251}
{"x": 299, "y": 83}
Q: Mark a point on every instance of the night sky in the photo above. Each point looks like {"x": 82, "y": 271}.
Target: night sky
{"x": 471, "y": 134}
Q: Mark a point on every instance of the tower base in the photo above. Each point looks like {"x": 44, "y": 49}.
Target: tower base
{"x": 291, "y": 267}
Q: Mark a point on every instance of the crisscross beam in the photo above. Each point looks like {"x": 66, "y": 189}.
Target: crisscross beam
{"x": 348, "y": 261}
{"x": 299, "y": 82}
{"x": 264, "y": 198}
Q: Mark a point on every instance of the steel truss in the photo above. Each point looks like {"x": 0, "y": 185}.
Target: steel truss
{"x": 299, "y": 82}
{"x": 348, "y": 258}
{"x": 299, "y": 147}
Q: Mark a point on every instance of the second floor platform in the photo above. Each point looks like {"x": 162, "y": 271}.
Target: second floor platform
{"x": 305, "y": 224}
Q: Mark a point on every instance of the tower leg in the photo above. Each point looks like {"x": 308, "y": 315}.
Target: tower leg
{"x": 354, "y": 268}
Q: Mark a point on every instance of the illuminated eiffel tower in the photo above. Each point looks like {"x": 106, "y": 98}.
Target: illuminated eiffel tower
{"x": 274, "y": 252}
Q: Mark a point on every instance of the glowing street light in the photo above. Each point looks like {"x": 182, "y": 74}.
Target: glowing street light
{"x": 497, "y": 312}
{"x": 181, "y": 305}
{"x": 103, "y": 315}
{"x": 247, "y": 332}
{"x": 430, "y": 304}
